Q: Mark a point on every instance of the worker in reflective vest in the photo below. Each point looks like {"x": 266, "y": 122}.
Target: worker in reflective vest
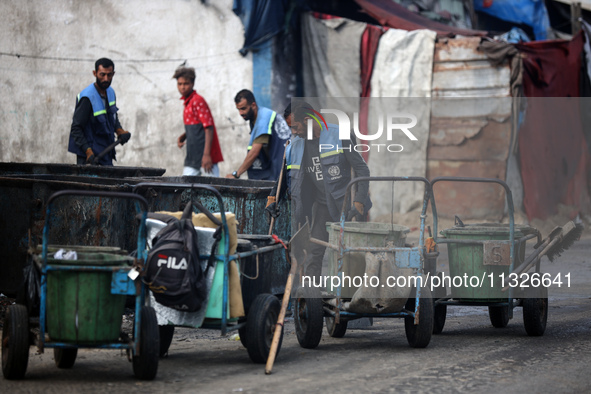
{"x": 268, "y": 135}
{"x": 95, "y": 122}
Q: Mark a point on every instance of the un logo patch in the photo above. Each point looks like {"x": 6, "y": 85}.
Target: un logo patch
{"x": 334, "y": 171}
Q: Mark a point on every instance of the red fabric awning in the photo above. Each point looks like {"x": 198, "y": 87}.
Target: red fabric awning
{"x": 391, "y": 14}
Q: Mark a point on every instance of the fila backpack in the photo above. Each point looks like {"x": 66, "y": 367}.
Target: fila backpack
{"x": 173, "y": 271}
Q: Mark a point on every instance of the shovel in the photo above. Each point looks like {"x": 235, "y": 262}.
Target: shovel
{"x": 107, "y": 150}
{"x": 297, "y": 246}
{"x": 560, "y": 239}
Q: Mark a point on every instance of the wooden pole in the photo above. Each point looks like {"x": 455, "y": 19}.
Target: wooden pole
{"x": 281, "y": 318}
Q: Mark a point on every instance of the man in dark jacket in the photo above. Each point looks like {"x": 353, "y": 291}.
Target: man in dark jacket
{"x": 95, "y": 122}
{"x": 319, "y": 172}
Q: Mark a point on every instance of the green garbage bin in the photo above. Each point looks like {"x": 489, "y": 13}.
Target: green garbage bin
{"x": 487, "y": 261}
{"x": 360, "y": 234}
{"x": 80, "y": 306}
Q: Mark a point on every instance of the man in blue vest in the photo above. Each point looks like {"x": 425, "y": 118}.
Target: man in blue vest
{"x": 320, "y": 170}
{"x": 268, "y": 135}
{"x": 95, "y": 122}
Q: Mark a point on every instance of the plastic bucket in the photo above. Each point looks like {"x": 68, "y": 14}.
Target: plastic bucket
{"x": 360, "y": 234}
{"x": 80, "y": 306}
{"x": 468, "y": 260}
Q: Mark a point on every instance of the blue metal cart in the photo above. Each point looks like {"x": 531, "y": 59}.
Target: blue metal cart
{"x": 262, "y": 308}
{"x": 492, "y": 256}
{"x": 415, "y": 304}
{"x": 20, "y": 330}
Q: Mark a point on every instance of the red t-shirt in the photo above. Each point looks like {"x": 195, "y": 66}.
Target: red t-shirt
{"x": 197, "y": 111}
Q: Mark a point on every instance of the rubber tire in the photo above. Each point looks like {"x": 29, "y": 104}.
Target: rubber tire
{"x": 535, "y": 314}
{"x": 65, "y": 357}
{"x": 419, "y": 335}
{"x": 242, "y": 333}
{"x": 499, "y": 316}
{"x": 260, "y": 326}
{"x": 439, "y": 314}
{"x": 308, "y": 314}
{"x": 335, "y": 330}
{"x": 165, "y": 333}
{"x": 145, "y": 365}
{"x": 15, "y": 342}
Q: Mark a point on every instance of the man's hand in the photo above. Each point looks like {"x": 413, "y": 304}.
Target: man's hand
{"x": 271, "y": 207}
{"x": 89, "y": 156}
{"x": 272, "y": 210}
{"x": 356, "y": 212}
{"x": 206, "y": 163}
{"x": 359, "y": 207}
{"x": 123, "y": 135}
{"x": 180, "y": 142}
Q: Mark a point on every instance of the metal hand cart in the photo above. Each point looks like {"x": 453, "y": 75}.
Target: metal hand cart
{"x": 82, "y": 303}
{"x": 491, "y": 257}
{"x": 413, "y": 302}
{"x": 262, "y": 309}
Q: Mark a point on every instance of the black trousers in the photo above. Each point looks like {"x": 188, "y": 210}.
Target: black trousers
{"x": 313, "y": 264}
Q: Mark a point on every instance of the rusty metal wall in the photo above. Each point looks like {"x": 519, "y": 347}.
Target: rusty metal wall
{"x": 75, "y": 221}
{"x": 470, "y": 131}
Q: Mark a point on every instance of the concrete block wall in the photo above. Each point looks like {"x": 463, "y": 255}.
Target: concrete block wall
{"x": 59, "y": 41}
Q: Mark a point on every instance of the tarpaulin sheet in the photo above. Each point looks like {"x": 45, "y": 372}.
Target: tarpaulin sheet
{"x": 553, "y": 152}
{"x": 262, "y": 19}
{"x": 587, "y": 47}
{"x": 530, "y": 12}
{"x": 331, "y": 56}
{"x": 403, "y": 68}
{"x": 388, "y": 13}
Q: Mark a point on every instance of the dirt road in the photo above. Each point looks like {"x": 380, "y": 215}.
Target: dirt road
{"x": 469, "y": 356}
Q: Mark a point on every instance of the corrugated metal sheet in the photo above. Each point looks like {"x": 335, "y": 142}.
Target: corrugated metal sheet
{"x": 470, "y": 130}
{"x": 460, "y": 70}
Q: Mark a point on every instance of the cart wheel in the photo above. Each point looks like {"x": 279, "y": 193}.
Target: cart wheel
{"x": 440, "y": 312}
{"x": 535, "y": 313}
{"x": 419, "y": 335}
{"x": 499, "y": 316}
{"x": 333, "y": 329}
{"x": 15, "y": 342}
{"x": 145, "y": 364}
{"x": 242, "y": 333}
{"x": 308, "y": 319}
{"x": 166, "y": 332}
{"x": 65, "y": 357}
{"x": 260, "y": 326}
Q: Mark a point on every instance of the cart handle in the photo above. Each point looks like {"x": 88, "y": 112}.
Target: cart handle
{"x": 141, "y": 241}
{"x": 508, "y": 194}
{"x": 427, "y": 194}
{"x": 191, "y": 186}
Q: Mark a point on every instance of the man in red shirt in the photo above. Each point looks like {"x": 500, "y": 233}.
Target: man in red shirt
{"x": 200, "y": 136}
